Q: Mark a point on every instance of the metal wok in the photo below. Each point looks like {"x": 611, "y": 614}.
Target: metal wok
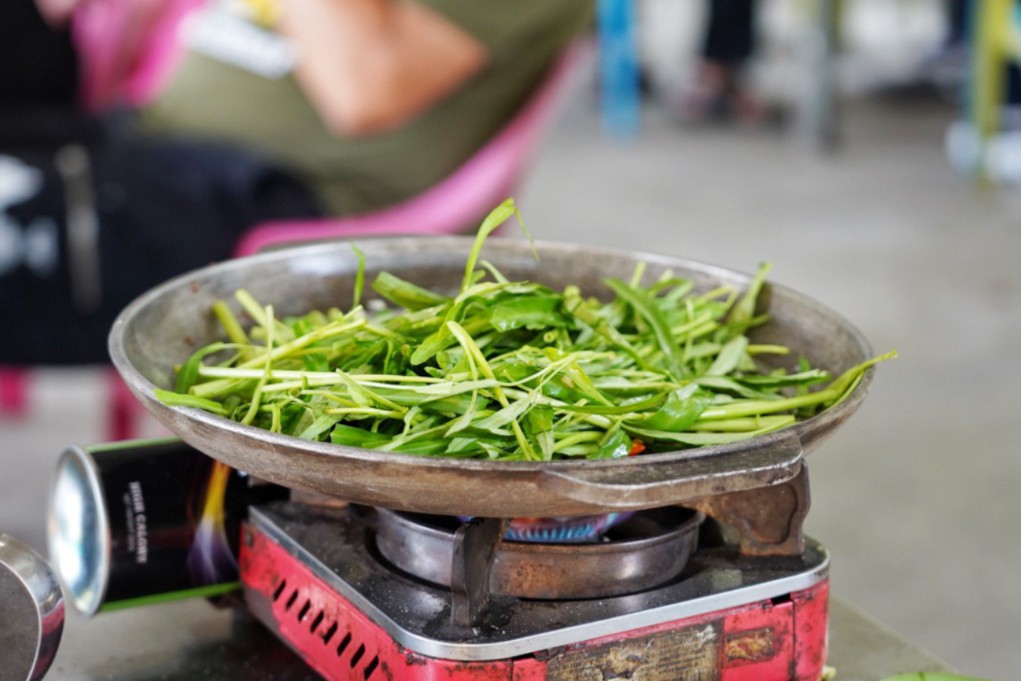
{"x": 164, "y": 326}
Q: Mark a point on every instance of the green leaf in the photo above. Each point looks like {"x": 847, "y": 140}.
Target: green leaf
{"x": 844, "y": 381}
{"x": 229, "y": 323}
{"x": 321, "y": 425}
{"x": 730, "y": 355}
{"x": 801, "y": 378}
{"x": 539, "y": 427}
{"x": 645, "y": 306}
{"x": 497, "y": 217}
{"x": 359, "y": 277}
{"x": 703, "y": 439}
{"x": 172, "y": 399}
{"x": 356, "y": 437}
{"x": 744, "y": 310}
{"x": 681, "y": 409}
{"x": 533, "y": 312}
{"x": 726, "y": 385}
{"x": 188, "y": 373}
{"x": 649, "y": 403}
{"x": 406, "y": 294}
{"x": 615, "y": 445}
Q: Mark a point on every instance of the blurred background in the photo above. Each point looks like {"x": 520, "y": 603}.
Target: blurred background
{"x": 870, "y": 184}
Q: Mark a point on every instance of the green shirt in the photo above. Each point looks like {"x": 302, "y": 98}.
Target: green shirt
{"x": 210, "y": 98}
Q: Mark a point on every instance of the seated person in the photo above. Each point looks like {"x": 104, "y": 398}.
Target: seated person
{"x": 381, "y": 100}
{"x": 386, "y": 97}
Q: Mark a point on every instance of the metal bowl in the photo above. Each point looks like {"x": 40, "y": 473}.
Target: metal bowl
{"x": 163, "y": 327}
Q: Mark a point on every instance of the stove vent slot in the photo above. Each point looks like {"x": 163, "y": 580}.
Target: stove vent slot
{"x": 356, "y": 658}
{"x": 304, "y": 611}
{"x": 286, "y": 595}
{"x": 342, "y": 646}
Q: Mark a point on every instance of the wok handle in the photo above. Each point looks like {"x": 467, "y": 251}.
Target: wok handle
{"x": 642, "y": 484}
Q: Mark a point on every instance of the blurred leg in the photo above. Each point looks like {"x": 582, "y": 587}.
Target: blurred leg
{"x": 730, "y": 34}
{"x": 728, "y": 45}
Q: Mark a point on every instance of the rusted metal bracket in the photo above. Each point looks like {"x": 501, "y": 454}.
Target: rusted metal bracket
{"x": 769, "y": 519}
{"x": 475, "y": 546}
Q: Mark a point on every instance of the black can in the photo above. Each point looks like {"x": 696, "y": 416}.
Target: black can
{"x": 145, "y": 521}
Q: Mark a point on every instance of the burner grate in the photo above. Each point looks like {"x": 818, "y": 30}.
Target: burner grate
{"x": 645, "y": 550}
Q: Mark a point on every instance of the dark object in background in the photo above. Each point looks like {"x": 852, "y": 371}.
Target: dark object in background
{"x": 720, "y": 91}
{"x": 91, "y": 215}
{"x": 87, "y": 225}
{"x": 730, "y": 32}
{"x": 38, "y": 65}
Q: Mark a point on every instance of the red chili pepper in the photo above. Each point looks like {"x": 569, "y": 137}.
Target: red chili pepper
{"x": 637, "y": 447}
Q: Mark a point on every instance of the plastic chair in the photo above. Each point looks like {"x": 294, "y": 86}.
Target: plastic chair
{"x": 123, "y": 411}
{"x": 14, "y": 399}
{"x": 127, "y": 71}
{"x": 454, "y": 205}
{"x": 457, "y": 203}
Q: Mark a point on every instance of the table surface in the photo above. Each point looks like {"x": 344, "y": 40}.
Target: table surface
{"x": 193, "y": 641}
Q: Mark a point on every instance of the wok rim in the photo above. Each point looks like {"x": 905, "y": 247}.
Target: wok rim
{"x": 808, "y": 431}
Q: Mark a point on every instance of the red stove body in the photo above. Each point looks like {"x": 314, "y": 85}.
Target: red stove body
{"x": 314, "y": 577}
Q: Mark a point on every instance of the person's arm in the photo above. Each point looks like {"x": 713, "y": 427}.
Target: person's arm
{"x": 371, "y": 65}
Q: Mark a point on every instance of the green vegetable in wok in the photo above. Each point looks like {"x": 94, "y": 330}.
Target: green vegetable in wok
{"x": 509, "y": 370}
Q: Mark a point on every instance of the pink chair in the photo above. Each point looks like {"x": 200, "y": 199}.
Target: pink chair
{"x": 122, "y": 409}
{"x": 126, "y": 54}
{"x": 127, "y": 48}
{"x": 133, "y": 71}
{"x": 14, "y": 386}
{"x": 458, "y": 202}
{"x": 454, "y": 205}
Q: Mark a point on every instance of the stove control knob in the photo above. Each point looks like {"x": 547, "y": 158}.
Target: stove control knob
{"x": 31, "y": 612}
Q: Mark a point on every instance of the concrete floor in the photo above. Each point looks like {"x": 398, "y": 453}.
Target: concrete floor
{"x": 917, "y": 496}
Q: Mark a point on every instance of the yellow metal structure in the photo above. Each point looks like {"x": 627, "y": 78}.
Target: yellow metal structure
{"x": 996, "y": 43}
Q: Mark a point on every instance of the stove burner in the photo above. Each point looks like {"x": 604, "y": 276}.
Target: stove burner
{"x": 644, "y": 551}
{"x": 565, "y": 530}
{"x": 313, "y": 576}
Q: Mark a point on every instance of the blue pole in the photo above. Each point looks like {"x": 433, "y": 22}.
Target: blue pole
{"x": 618, "y": 67}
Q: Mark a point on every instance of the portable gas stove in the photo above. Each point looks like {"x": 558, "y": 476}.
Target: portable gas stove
{"x": 370, "y": 575}
{"x": 364, "y": 593}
